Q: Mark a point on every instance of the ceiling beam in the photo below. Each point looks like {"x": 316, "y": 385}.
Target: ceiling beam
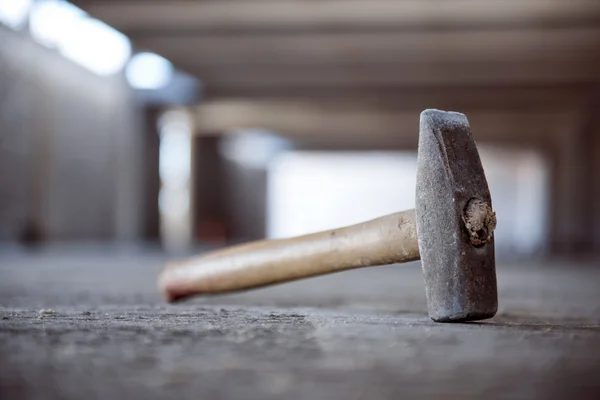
{"x": 131, "y": 15}
{"x": 352, "y": 48}
{"x": 320, "y": 122}
{"x": 382, "y": 76}
{"x": 546, "y": 98}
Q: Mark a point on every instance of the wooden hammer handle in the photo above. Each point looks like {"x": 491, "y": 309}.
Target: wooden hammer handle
{"x": 385, "y": 240}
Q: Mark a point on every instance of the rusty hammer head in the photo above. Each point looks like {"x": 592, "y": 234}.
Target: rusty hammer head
{"x": 455, "y": 221}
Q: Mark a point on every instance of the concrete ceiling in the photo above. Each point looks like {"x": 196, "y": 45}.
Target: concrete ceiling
{"x": 242, "y": 48}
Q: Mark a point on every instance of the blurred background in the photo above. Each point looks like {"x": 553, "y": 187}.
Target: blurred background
{"x": 182, "y": 125}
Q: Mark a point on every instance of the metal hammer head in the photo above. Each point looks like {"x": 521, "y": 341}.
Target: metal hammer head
{"x": 455, "y": 221}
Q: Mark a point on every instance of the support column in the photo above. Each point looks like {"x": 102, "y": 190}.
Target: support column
{"x": 151, "y": 184}
{"x": 576, "y": 200}
{"x": 211, "y": 219}
{"x": 590, "y": 142}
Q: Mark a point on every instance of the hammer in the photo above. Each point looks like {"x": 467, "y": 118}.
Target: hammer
{"x": 450, "y": 230}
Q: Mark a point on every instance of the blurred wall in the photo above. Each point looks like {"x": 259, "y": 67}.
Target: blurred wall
{"x": 69, "y": 148}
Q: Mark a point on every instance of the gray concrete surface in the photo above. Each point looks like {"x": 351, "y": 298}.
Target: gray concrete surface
{"x": 88, "y": 323}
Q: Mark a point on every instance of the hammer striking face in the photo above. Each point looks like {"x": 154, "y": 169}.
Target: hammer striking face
{"x": 455, "y": 221}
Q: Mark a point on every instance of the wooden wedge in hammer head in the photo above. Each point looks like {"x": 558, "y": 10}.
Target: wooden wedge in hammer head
{"x": 451, "y": 230}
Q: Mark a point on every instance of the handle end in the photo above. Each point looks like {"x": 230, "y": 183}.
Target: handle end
{"x": 171, "y": 285}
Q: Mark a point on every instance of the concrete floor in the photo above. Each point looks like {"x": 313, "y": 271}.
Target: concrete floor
{"x": 88, "y": 323}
